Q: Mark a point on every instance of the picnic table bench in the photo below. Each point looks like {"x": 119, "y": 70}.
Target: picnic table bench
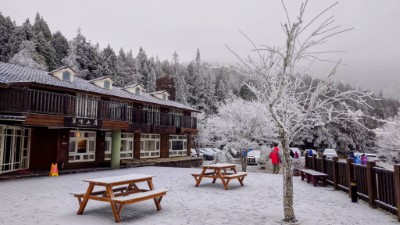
{"x": 313, "y": 175}
{"x": 120, "y": 191}
{"x": 224, "y": 172}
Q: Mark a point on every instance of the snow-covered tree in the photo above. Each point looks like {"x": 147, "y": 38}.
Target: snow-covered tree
{"x": 389, "y": 139}
{"x": 45, "y": 49}
{"x": 28, "y": 56}
{"x": 238, "y": 124}
{"x": 151, "y": 81}
{"x": 71, "y": 59}
{"x": 40, "y": 26}
{"x": 61, "y": 47}
{"x": 277, "y": 78}
{"x": 7, "y": 28}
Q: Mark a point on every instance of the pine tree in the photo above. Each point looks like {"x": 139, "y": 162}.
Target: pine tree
{"x": 45, "y": 49}
{"x": 88, "y": 58}
{"x": 20, "y": 34}
{"x": 61, "y": 47}
{"x": 109, "y": 63}
{"x": 6, "y": 30}
{"x": 221, "y": 86}
{"x": 158, "y": 69}
{"x": 40, "y": 26}
{"x": 151, "y": 82}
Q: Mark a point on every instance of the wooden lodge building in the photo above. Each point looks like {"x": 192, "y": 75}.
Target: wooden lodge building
{"x": 57, "y": 117}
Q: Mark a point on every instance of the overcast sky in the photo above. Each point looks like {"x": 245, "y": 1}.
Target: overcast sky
{"x": 164, "y": 26}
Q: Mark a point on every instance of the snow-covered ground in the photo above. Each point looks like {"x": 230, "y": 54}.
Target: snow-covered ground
{"x": 46, "y": 200}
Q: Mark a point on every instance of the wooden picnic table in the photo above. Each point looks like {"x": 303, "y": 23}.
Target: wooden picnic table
{"x": 119, "y": 191}
{"x": 224, "y": 172}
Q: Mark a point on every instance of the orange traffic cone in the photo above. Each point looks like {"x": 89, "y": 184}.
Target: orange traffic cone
{"x": 54, "y": 170}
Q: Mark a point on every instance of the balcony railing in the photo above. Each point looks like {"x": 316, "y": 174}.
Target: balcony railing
{"x": 14, "y": 100}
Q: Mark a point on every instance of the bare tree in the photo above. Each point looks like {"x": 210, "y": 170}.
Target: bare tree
{"x": 276, "y": 75}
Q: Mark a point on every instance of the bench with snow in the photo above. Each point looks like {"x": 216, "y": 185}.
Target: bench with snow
{"x": 313, "y": 175}
{"x": 125, "y": 197}
{"x": 156, "y": 195}
{"x": 227, "y": 176}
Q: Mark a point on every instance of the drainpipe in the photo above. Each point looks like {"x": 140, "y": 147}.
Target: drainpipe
{"x": 116, "y": 149}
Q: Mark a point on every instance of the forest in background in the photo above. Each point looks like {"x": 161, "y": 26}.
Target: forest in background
{"x": 199, "y": 84}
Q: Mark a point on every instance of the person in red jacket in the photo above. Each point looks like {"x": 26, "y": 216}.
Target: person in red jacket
{"x": 275, "y": 159}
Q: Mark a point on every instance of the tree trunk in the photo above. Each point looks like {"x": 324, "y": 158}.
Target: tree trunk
{"x": 287, "y": 178}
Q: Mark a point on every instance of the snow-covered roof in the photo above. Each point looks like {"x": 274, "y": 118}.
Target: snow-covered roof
{"x": 10, "y": 73}
{"x": 100, "y": 78}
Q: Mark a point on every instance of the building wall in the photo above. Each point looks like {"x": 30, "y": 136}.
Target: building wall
{"x": 136, "y": 146}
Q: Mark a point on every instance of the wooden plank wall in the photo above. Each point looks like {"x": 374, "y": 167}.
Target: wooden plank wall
{"x": 43, "y": 148}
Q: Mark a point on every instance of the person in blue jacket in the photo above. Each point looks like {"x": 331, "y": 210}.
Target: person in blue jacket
{"x": 357, "y": 159}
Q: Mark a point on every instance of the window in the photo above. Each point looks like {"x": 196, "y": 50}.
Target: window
{"x": 107, "y": 152}
{"x": 152, "y": 114}
{"x": 14, "y": 148}
{"x": 66, "y": 76}
{"x": 137, "y": 91}
{"x": 164, "y": 96}
{"x": 177, "y": 115}
{"x": 82, "y": 146}
{"x": 86, "y": 106}
{"x": 107, "y": 84}
{"x": 149, "y": 145}
{"x": 177, "y": 145}
{"x": 126, "y": 151}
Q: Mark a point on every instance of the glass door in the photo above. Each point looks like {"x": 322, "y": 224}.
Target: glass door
{"x": 14, "y": 149}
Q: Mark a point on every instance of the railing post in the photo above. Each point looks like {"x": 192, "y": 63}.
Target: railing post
{"x": 314, "y": 162}
{"x": 25, "y": 100}
{"x": 396, "y": 175}
{"x": 335, "y": 173}
{"x": 99, "y": 109}
{"x": 66, "y": 104}
{"x": 125, "y": 113}
{"x": 350, "y": 174}
{"x": 371, "y": 180}
{"x": 306, "y": 160}
{"x": 324, "y": 163}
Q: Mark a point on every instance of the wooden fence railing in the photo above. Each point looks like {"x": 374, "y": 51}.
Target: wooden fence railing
{"x": 380, "y": 187}
{"x": 16, "y": 100}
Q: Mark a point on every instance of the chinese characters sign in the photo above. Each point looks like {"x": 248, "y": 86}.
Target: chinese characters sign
{"x": 82, "y": 122}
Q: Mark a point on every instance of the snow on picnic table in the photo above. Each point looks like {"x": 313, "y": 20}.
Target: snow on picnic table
{"x": 46, "y": 200}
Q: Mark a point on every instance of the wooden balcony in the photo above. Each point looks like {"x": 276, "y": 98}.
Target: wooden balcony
{"x": 20, "y": 101}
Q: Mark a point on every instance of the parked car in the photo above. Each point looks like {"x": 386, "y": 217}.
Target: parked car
{"x": 208, "y": 154}
{"x": 253, "y": 157}
{"x": 370, "y": 156}
{"x": 215, "y": 150}
{"x": 330, "y": 153}
{"x": 194, "y": 154}
{"x": 234, "y": 152}
{"x": 295, "y": 150}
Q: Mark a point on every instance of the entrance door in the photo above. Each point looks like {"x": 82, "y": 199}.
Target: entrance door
{"x": 14, "y": 149}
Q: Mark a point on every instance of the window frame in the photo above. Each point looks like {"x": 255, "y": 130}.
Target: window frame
{"x": 179, "y": 152}
{"x": 145, "y": 140}
{"x": 75, "y": 156}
